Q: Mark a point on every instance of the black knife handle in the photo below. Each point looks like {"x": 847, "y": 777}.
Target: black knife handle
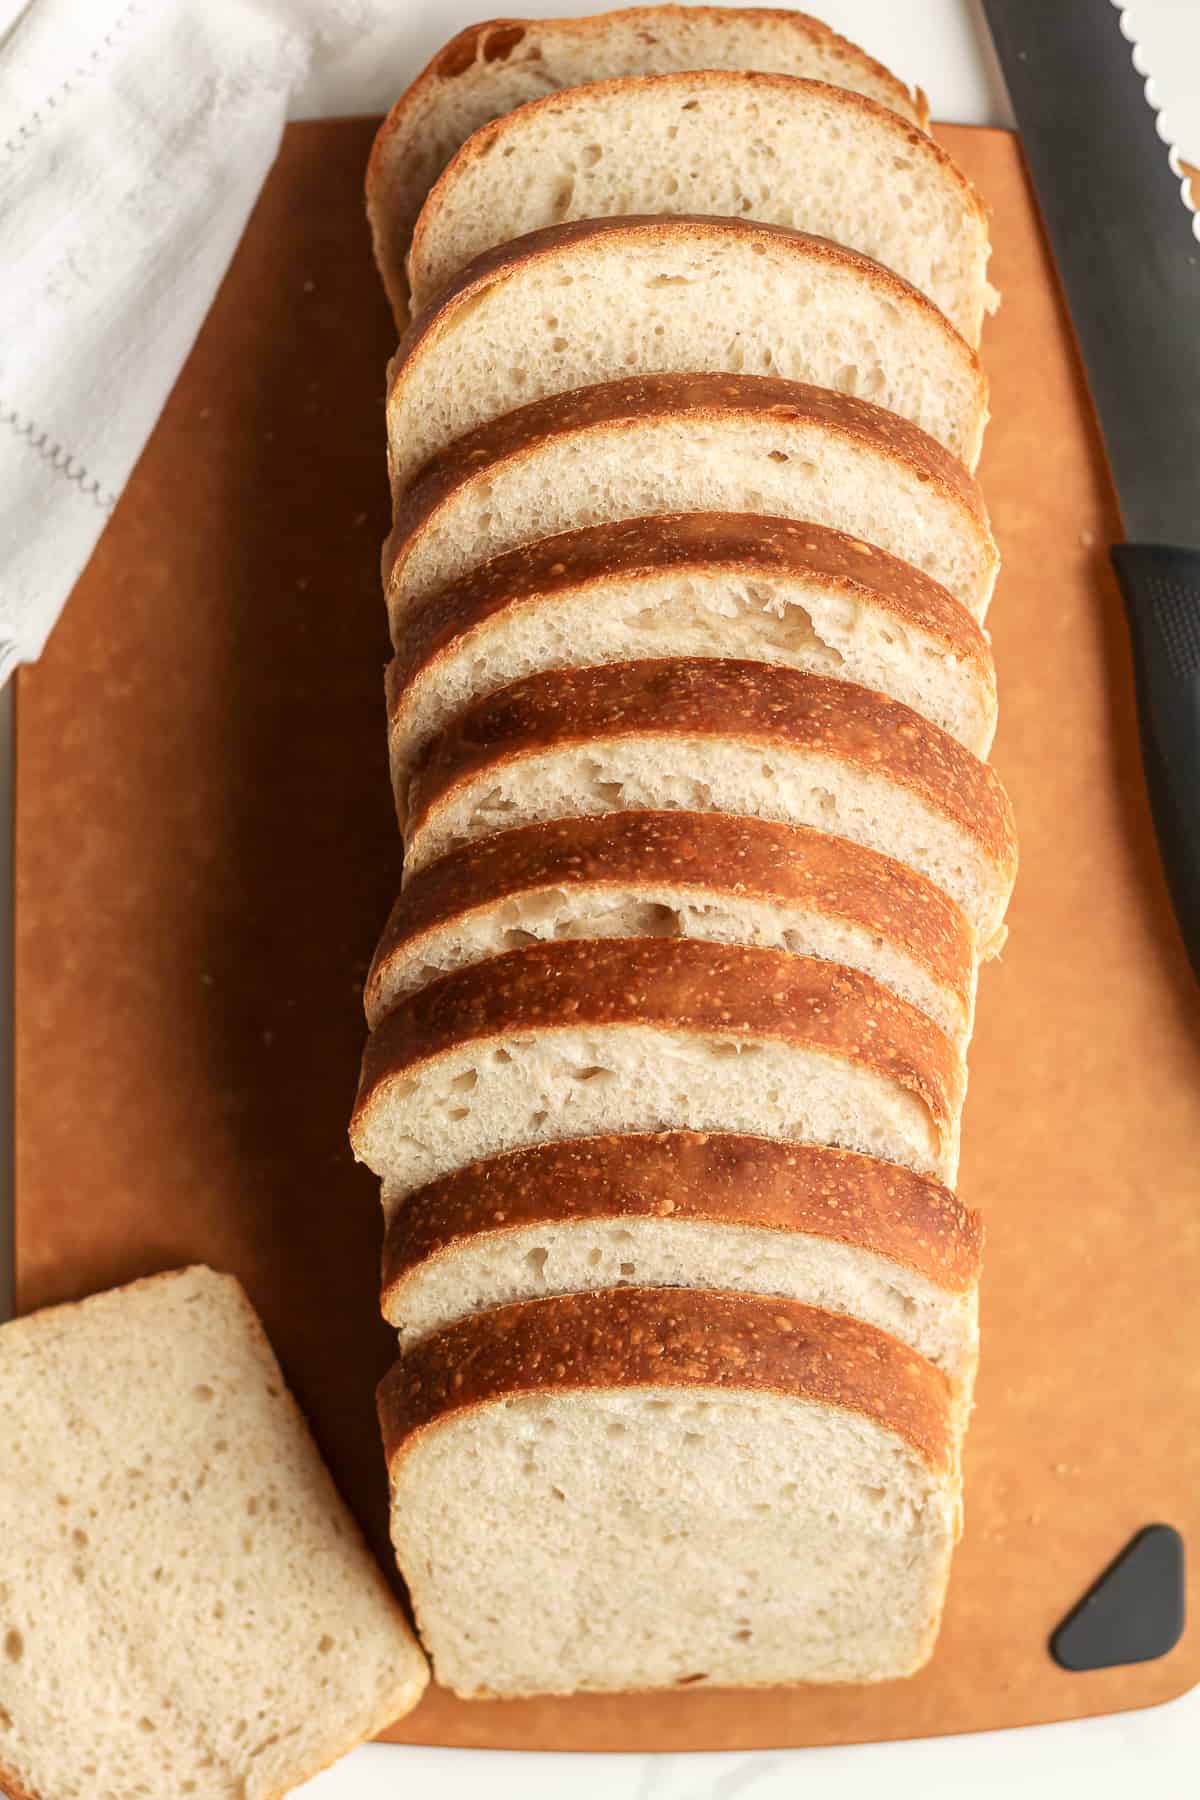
{"x": 1161, "y": 589}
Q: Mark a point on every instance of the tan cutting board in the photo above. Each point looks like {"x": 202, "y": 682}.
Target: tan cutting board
{"x": 206, "y": 852}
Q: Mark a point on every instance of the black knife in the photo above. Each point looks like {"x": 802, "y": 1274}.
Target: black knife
{"x": 1129, "y": 262}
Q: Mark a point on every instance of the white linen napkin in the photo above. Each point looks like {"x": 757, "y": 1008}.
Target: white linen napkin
{"x": 134, "y": 138}
{"x": 125, "y": 182}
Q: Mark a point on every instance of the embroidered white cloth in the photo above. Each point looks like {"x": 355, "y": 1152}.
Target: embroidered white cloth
{"x": 134, "y": 138}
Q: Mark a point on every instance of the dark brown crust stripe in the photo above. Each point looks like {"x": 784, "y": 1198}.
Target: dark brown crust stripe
{"x": 505, "y": 260}
{"x": 393, "y": 209}
{"x": 722, "y": 698}
{"x": 669, "y": 1337}
{"x": 630, "y": 550}
{"x": 703, "y": 398}
{"x": 672, "y": 984}
{"x": 722, "y": 1178}
{"x": 711, "y": 853}
{"x": 12, "y": 1787}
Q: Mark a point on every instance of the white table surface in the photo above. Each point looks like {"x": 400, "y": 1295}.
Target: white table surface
{"x": 943, "y": 46}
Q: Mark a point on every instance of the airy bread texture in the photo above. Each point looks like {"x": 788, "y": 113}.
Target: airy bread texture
{"x": 732, "y": 143}
{"x": 728, "y": 879}
{"x": 584, "y": 1037}
{"x": 711, "y": 734}
{"x": 698, "y": 444}
{"x": 186, "y": 1606}
{"x": 574, "y": 305}
{"x": 491, "y": 68}
{"x": 687, "y": 1209}
{"x": 745, "y": 1491}
{"x": 687, "y": 715}
{"x": 692, "y": 584}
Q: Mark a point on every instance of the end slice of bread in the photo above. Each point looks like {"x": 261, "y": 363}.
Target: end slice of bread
{"x": 722, "y": 877}
{"x": 692, "y": 584}
{"x": 491, "y": 68}
{"x": 573, "y": 305}
{"x": 746, "y": 1491}
{"x": 697, "y": 1210}
{"x": 711, "y": 734}
{"x": 734, "y": 143}
{"x": 186, "y": 1605}
{"x": 697, "y": 444}
{"x": 582, "y": 1038}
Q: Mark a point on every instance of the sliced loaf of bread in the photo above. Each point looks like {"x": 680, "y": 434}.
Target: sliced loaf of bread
{"x": 744, "y": 1491}
{"x": 572, "y": 305}
{"x": 730, "y": 879}
{"x": 491, "y": 68}
{"x": 691, "y": 443}
{"x": 697, "y": 1210}
{"x": 692, "y": 584}
{"x": 186, "y": 1604}
{"x": 590, "y": 1036}
{"x": 733, "y": 143}
{"x": 711, "y": 734}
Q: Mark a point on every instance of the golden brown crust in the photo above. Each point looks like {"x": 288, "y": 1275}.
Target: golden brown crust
{"x": 751, "y": 545}
{"x": 672, "y": 984}
{"x": 11, "y": 1786}
{"x": 699, "y": 398}
{"x": 721, "y": 698}
{"x": 908, "y": 137}
{"x": 721, "y": 1178}
{"x": 460, "y": 54}
{"x": 670, "y": 1337}
{"x": 494, "y": 40}
{"x": 462, "y": 51}
{"x": 701, "y": 853}
{"x": 549, "y": 242}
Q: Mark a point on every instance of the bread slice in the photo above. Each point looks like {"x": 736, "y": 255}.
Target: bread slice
{"x": 691, "y": 443}
{"x": 744, "y": 1491}
{"x": 692, "y": 584}
{"x": 730, "y": 880}
{"x": 186, "y": 1606}
{"x": 491, "y": 68}
{"x": 709, "y": 734}
{"x": 697, "y": 1210}
{"x": 725, "y": 142}
{"x": 592, "y": 1036}
{"x": 572, "y": 305}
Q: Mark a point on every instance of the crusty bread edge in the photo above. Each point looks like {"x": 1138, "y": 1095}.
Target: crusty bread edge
{"x": 880, "y": 1208}
{"x": 657, "y": 545}
{"x": 617, "y": 850}
{"x": 933, "y": 766}
{"x": 407, "y": 110}
{"x": 901, "y": 127}
{"x": 411, "y": 1689}
{"x": 11, "y": 1786}
{"x": 548, "y": 243}
{"x": 624, "y": 983}
{"x": 631, "y": 1337}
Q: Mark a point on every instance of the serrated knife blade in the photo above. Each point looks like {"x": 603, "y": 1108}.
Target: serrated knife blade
{"x": 1124, "y": 245}
{"x": 1129, "y": 261}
